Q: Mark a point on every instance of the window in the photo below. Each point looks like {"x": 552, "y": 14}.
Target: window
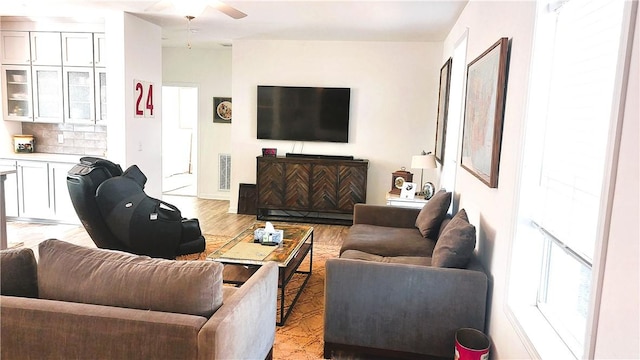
{"x": 571, "y": 103}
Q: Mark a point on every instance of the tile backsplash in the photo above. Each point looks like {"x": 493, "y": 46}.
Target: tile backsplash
{"x": 77, "y": 139}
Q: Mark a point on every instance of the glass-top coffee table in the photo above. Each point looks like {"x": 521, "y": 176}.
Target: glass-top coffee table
{"x": 242, "y": 257}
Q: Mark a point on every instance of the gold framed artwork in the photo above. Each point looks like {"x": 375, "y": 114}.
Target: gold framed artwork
{"x": 222, "y": 110}
{"x": 484, "y": 112}
{"x": 443, "y": 106}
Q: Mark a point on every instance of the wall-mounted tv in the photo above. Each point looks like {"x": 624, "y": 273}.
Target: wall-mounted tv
{"x": 303, "y": 113}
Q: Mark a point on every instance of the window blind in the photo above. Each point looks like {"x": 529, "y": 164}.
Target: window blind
{"x": 579, "y": 110}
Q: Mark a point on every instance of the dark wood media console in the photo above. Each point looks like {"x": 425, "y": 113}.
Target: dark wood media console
{"x": 310, "y": 189}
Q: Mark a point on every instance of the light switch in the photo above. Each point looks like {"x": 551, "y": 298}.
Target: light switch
{"x": 60, "y": 138}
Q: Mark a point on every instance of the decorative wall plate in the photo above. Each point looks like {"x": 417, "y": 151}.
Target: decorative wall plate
{"x": 224, "y": 110}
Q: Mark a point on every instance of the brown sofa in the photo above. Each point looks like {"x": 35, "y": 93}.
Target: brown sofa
{"x": 83, "y": 303}
{"x": 405, "y": 281}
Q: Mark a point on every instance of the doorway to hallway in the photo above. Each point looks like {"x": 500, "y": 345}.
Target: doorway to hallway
{"x": 179, "y": 140}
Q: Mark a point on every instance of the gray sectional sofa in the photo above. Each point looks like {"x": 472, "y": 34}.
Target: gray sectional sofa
{"x": 84, "y": 303}
{"x": 405, "y": 281}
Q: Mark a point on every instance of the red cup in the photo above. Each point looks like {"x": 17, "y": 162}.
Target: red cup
{"x": 472, "y": 344}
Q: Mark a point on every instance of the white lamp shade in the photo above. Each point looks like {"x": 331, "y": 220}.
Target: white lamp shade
{"x": 423, "y": 162}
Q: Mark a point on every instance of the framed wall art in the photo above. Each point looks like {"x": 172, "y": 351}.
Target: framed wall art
{"x": 484, "y": 112}
{"x": 443, "y": 106}
{"x": 222, "y": 110}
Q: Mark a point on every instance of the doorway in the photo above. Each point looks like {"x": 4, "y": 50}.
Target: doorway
{"x": 179, "y": 140}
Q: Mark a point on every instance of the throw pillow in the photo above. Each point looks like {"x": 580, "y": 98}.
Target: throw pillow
{"x": 18, "y": 273}
{"x": 432, "y": 214}
{"x": 456, "y": 243}
{"x": 69, "y": 272}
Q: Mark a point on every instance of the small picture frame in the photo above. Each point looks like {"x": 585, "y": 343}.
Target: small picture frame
{"x": 222, "y": 110}
{"x": 408, "y": 190}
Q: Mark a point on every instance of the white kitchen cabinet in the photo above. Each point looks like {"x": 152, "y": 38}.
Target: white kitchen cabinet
{"x": 15, "y": 48}
{"x": 77, "y": 49}
{"x": 38, "y": 191}
{"x": 47, "y": 94}
{"x": 99, "y": 50}
{"x": 46, "y": 48}
{"x": 10, "y": 188}
{"x": 101, "y": 95}
{"x": 52, "y": 77}
{"x": 33, "y": 190}
{"x": 16, "y": 90}
{"x": 62, "y": 207}
{"x": 79, "y": 94}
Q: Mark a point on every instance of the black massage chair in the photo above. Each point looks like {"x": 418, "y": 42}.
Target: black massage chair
{"x": 118, "y": 215}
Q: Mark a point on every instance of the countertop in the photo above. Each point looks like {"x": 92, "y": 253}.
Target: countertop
{"x": 65, "y": 158}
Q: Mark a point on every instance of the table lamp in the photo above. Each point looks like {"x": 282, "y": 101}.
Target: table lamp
{"x": 423, "y": 161}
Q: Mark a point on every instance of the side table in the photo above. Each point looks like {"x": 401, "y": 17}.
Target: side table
{"x": 415, "y": 203}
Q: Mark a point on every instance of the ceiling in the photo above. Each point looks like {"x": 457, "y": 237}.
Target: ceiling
{"x": 354, "y": 20}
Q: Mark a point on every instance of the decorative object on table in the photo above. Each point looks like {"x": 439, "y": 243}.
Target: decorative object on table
{"x": 408, "y": 190}
{"x": 269, "y": 152}
{"x": 428, "y": 190}
{"x": 268, "y": 235}
{"x": 484, "y": 112}
{"x": 443, "y": 106}
{"x": 23, "y": 143}
{"x": 424, "y": 161}
{"x": 398, "y": 178}
{"x": 222, "y": 110}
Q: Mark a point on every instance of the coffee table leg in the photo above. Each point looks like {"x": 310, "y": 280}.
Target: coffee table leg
{"x": 282, "y": 288}
{"x": 285, "y": 282}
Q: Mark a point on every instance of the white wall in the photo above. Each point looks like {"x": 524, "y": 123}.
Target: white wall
{"x": 210, "y": 71}
{"x": 394, "y": 94}
{"x": 135, "y": 53}
{"x": 493, "y": 210}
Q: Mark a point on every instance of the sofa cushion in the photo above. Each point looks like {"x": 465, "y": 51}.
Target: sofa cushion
{"x": 432, "y": 214}
{"x": 387, "y": 241}
{"x": 408, "y": 260}
{"x": 455, "y": 246}
{"x": 74, "y": 273}
{"x": 18, "y": 273}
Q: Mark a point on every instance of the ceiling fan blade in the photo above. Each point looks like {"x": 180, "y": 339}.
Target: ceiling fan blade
{"x": 229, "y": 10}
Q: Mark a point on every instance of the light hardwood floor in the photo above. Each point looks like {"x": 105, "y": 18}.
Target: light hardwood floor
{"x": 213, "y": 215}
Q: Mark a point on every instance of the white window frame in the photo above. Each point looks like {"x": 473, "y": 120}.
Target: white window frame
{"x": 539, "y": 338}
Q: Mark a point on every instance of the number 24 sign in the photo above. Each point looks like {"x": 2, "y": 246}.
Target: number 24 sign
{"x": 143, "y": 98}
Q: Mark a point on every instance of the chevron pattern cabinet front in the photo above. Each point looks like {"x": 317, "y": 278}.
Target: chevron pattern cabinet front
{"x": 310, "y": 189}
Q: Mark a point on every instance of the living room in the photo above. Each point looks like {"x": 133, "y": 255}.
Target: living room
{"x": 394, "y": 107}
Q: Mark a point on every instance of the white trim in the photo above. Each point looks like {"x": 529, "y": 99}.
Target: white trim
{"x": 611, "y": 168}
{"x": 453, "y": 163}
{"x": 512, "y": 314}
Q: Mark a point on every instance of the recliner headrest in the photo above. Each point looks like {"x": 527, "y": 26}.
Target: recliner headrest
{"x": 134, "y": 173}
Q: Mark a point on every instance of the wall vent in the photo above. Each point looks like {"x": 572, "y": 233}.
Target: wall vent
{"x": 225, "y": 172}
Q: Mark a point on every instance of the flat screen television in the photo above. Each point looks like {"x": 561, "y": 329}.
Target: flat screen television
{"x": 303, "y": 113}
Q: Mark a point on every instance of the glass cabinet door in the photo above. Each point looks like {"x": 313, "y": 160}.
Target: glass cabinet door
{"x": 101, "y": 95}
{"x": 16, "y": 89}
{"x": 47, "y": 94}
{"x": 79, "y": 95}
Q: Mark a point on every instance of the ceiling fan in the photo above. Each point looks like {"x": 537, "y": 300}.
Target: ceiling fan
{"x": 193, "y": 8}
